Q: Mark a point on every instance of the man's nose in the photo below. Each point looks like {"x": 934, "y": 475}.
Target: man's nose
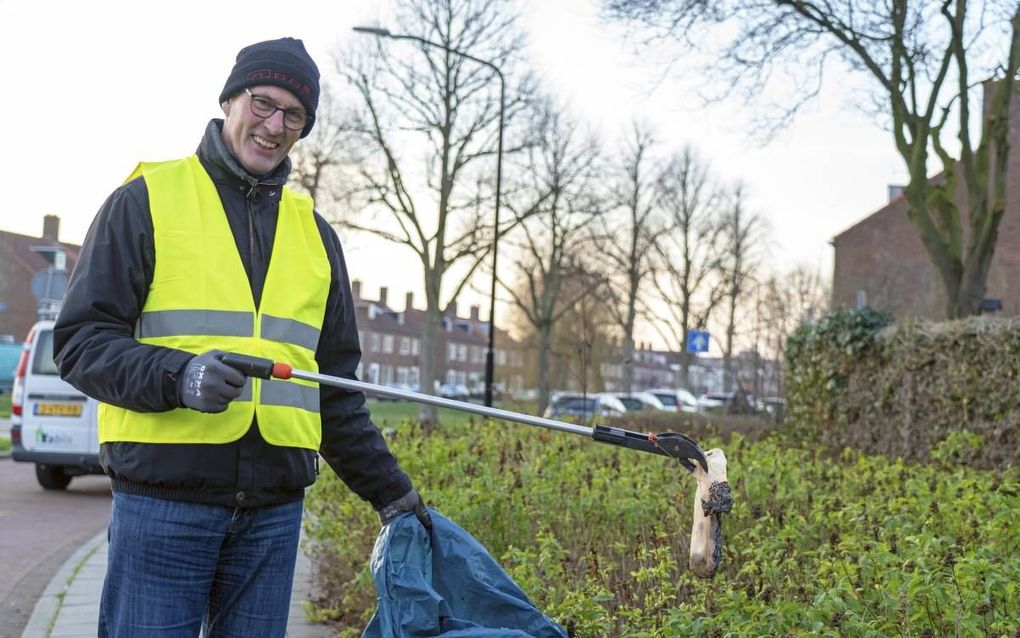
{"x": 275, "y": 122}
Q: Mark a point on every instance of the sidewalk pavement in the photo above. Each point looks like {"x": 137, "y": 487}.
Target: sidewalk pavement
{"x": 5, "y": 433}
{"x": 69, "y": 607}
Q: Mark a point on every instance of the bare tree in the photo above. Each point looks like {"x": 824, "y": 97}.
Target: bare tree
{"x": 582, "y": 344}
{"x": 324, "y": 158}
{"x": 743, "y": 239}
{"x": 626, "y": 240}
{"x": 921, "y": 57}
{"x": 430, "y": 119}
{"x": 688, "y": 251}
{"x": 556, "y": 195}
{"x": 784, "y": 301}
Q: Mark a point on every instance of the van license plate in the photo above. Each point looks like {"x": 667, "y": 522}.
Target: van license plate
{"x": 57, "y": 409}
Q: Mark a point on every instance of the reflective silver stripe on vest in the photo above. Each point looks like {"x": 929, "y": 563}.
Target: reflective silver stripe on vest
{"x": 289, "y": 394}
{"x": 246, "y": 392}
{"x": 213, "y": 323}
{"x": 290, "y": 331}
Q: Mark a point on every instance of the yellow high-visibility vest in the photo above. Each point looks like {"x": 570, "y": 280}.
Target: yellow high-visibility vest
{"x": 200, "y": 299}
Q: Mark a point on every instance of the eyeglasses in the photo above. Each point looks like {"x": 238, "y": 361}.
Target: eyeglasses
{"x": 293, "y": 119}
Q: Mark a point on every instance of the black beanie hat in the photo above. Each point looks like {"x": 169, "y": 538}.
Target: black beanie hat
{"x": 283, "y": 63}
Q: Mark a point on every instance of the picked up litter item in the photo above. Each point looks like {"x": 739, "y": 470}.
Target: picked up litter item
{"x": 446, "y": 584}
{"x": 711, "y": 501}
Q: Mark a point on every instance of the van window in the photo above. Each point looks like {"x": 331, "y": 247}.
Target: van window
{"x": 632, "y": 404}
{"x": 575, "y": 403}
{"x": 43, "y": 362}
{"x": 668, "y": 400}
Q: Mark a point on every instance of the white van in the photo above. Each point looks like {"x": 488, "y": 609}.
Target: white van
{"x": 52, "y": 424}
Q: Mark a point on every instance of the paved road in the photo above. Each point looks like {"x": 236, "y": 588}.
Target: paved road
{"x": 39, "y": 530}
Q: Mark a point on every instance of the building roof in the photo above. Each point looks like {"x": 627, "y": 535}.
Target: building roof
{"x": 23, "y": 259}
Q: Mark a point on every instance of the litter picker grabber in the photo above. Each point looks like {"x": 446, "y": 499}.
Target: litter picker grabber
{"x": 670, "y": 444}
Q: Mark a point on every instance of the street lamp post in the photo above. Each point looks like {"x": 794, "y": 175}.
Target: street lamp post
{"x": 490, "y": 354}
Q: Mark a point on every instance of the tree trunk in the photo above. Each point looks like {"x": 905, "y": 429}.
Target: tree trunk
{"x": 430, "y": 354}
{"x": 683, "y": 380}
{"x": 731, "y": 329}
{"x": 544, "y": 349}
{"x": 628, "y": 339}
{"x": 628, "y": 365}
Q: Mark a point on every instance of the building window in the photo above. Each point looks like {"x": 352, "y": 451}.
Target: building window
{"x": 477, "y": 355}
{"x": 451, "y": 377}
{"x": 451, "y": 351}
{"x": 517, "y": 383}
{"x": 405, "y": 346}
{"x": 462, "y": 352}
{"x": 414, "y": 377}
{"x": 374, "y": 342}
{"x": 402, "y": 375}
{"x": 415, "y": 345}
{"x": 387, "y": 344}
{"x": 373, "y": 373}
{"x": 387, "y": 375}
{"x": 500, "y": 357}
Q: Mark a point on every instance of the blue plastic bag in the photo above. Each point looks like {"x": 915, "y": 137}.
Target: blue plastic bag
{"x": 447, "y": 585}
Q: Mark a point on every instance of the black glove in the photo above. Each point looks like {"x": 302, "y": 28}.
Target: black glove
{"x": 207, "y": 384}
{"x": 410, "y": 501}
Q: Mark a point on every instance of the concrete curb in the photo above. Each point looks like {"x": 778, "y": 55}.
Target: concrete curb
{"x": 48, "y": 605}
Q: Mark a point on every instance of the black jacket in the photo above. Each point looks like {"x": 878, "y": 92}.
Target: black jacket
{"x": 96, "y": 353}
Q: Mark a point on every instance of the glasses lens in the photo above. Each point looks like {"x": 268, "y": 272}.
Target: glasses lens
{"x": 294, "y": 119}
{"x": 261, "y": 106}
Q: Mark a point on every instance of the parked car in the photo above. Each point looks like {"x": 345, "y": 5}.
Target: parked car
{"x": 455, "y": 391}
{"x": 678, "y": 400}
{"x": 730, "y": 403}
{"x": 403, "y": 387}
{"x": 10, "y": 352}
{"x": 52, "y": 424}
{"x": 574, "y": 405}
{"x": 774, "y": 407}
{"x": 637, "y": 401}
{"x": 712, "y": 402}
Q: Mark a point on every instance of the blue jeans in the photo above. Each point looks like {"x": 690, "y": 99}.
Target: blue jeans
{"x": 176, "y": 567}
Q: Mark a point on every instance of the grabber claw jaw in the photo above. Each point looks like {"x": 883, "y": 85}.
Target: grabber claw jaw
{"x": 683, "y": 448}
{"x": 671, "y": 444}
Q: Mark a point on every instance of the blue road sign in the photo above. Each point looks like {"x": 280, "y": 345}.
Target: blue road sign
{"x": 697, "y": 341}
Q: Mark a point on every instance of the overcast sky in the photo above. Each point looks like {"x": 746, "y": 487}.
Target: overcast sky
{"x": 94, "y": 87}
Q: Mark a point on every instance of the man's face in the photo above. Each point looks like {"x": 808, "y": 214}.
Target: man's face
{"x": 259, "y": 144}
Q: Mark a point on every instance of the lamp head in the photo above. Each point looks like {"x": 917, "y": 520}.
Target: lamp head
{"x": 376, "y": 31}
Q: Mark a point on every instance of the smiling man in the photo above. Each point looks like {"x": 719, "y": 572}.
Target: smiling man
{"x": 186, "y": 260}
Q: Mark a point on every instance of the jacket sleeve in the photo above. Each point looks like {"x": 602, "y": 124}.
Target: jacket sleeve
{"x": 94, "y": 344}
{"x": 351, "y": 444}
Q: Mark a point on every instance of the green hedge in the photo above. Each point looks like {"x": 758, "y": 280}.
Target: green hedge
{"x": 856, "y": 379}
{"x": 597, "y": 536}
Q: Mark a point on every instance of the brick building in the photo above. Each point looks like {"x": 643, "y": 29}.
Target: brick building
{"x": 21, "y": 259}
{"x": 652, "y": 369}
{"x": 880, "y": 261}
{"x": 391, "y": 347}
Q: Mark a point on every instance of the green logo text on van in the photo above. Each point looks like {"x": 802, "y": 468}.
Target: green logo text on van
{"x": 42, "y": 438}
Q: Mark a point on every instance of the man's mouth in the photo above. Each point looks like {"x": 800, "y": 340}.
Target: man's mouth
{"x": 264, "y": 143}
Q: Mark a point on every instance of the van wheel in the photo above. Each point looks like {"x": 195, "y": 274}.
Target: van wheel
{"x": 51, "y": 477}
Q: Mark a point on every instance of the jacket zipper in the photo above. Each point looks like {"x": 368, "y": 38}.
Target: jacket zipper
{"x": 251, "y": 226}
